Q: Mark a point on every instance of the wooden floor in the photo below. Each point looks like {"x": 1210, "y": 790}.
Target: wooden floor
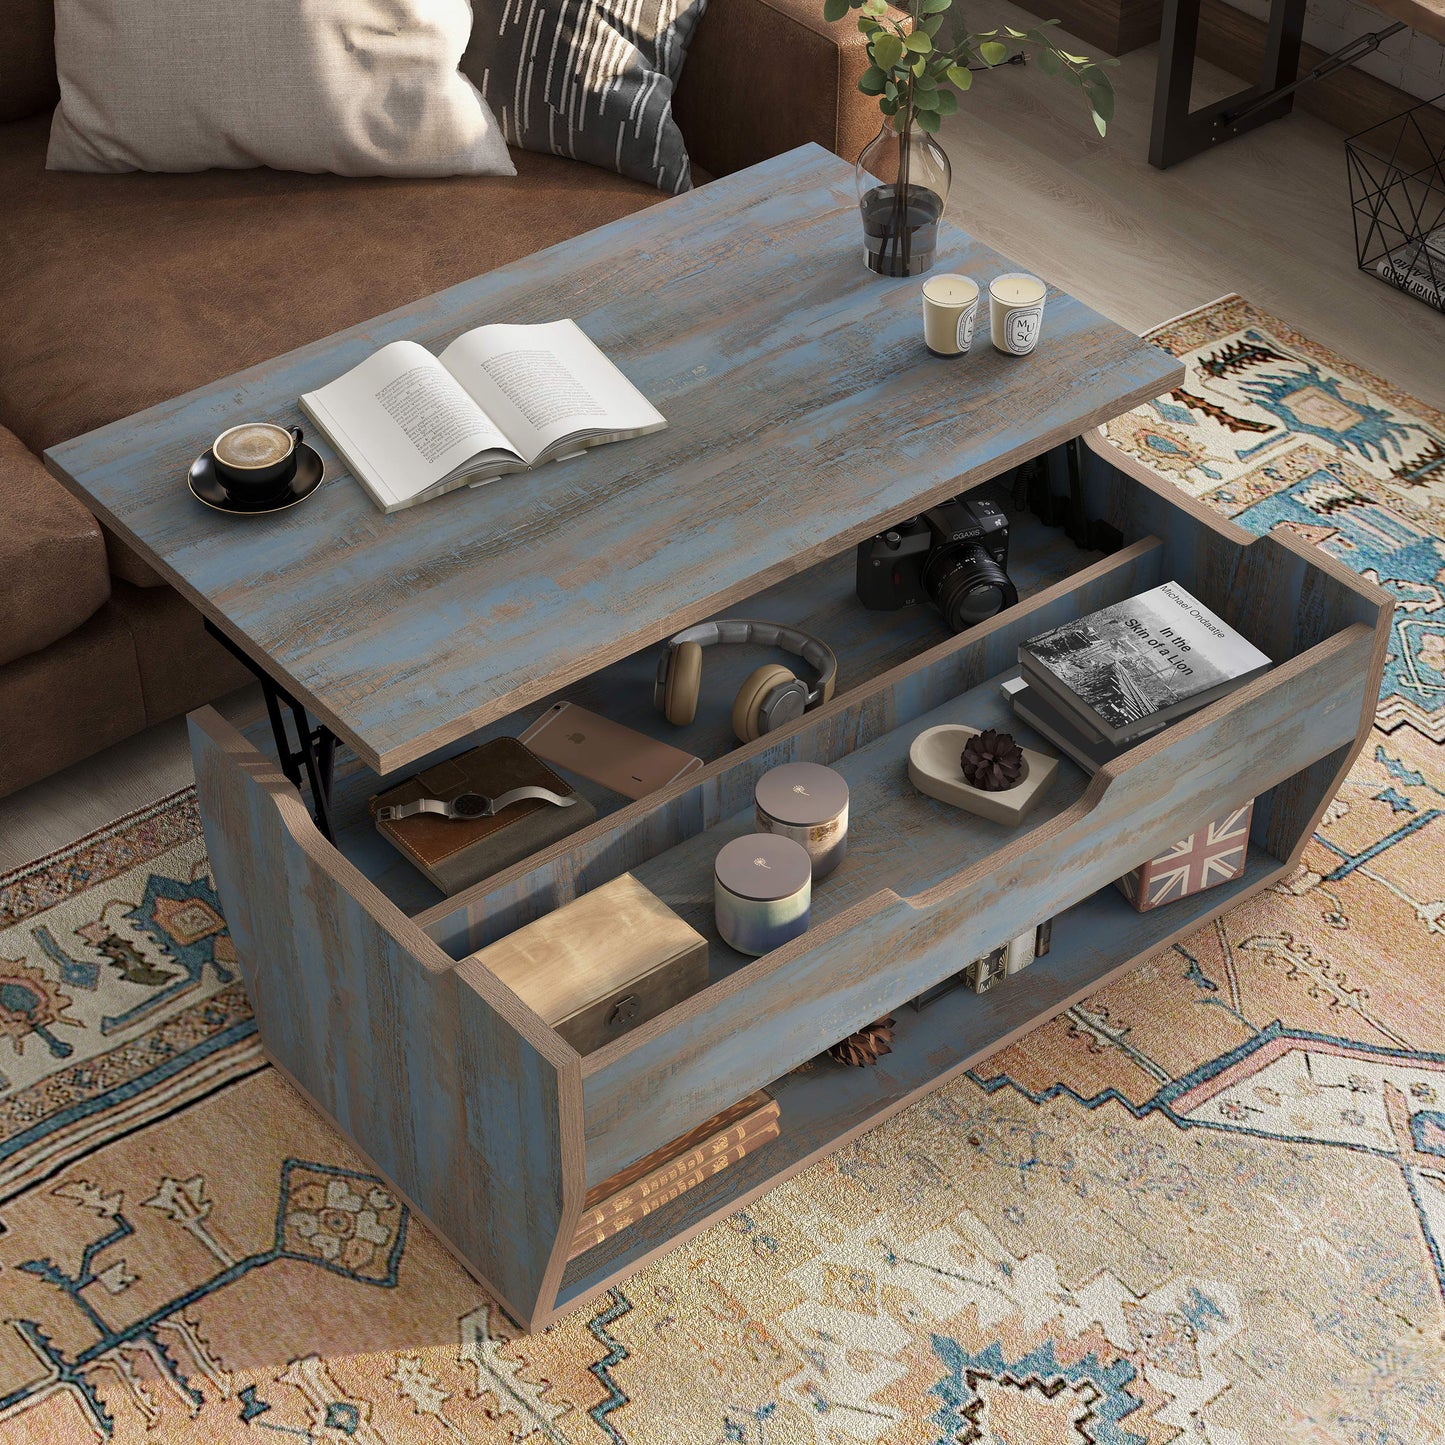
{"x": 1267, "y": 215}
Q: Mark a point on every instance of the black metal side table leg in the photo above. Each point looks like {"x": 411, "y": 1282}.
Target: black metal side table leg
{"x": 1179, "y": 132}
{"x": 314, "y": 755}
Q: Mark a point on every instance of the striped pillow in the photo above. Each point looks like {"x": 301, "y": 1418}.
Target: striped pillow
{"x": 591, "y": 79}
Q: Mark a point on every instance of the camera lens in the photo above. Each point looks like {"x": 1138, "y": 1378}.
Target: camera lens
{"x": 966, "y": 585}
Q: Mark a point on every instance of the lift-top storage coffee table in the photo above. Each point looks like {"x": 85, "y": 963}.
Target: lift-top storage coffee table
{"x": 804, "y": 414}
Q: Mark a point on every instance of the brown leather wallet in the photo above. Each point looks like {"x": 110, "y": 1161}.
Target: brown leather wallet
{"x": 456, "y": 852}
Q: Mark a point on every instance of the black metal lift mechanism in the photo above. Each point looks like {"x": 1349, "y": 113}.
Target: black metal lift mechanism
{"x": 315, "y": 753}
{"x": 1179, "y": 132}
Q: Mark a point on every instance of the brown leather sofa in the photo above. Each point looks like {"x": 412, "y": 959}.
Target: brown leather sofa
{"x": 117, "y": 292}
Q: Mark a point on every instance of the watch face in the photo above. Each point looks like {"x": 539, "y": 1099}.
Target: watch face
{"x": 469, "y": 805}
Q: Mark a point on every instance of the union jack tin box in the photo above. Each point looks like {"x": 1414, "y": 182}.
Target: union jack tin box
{"x": 1213, "y": 855}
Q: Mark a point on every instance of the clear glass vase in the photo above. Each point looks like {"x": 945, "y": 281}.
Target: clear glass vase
{"x": 903, "y": 182}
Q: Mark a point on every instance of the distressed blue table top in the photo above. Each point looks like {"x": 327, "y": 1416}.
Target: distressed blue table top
{"x": 803, "y": 410}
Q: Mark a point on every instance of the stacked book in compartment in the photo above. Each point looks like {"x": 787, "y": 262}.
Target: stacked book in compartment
{"x": 661, "y": 1176}
{"x": 1098, "y": 686}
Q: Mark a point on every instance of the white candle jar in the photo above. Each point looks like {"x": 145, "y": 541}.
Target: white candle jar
{"x": 950, "y": 304}
{"x": 1016, "y": 312}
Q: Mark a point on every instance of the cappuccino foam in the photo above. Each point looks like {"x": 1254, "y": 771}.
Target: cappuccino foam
{"x": 253, "y": 444}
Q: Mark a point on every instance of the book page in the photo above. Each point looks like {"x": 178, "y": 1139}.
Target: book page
{"x": 402, "y": 422}
{"x": 545, "y": 384}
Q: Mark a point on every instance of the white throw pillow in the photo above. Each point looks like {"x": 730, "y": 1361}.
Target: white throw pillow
{"x": 356, "y": 87}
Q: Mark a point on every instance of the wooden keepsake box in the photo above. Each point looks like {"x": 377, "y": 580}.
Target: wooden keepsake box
{"x": 603, "y": 963}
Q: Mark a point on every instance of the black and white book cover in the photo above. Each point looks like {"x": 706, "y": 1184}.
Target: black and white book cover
{"x": 1137, "y": 664}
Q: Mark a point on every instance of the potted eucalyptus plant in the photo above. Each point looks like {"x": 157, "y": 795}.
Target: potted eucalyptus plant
{"x": 919, "y": 64}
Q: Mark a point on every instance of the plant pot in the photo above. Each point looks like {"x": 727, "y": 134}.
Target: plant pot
{"x": 903, "y": 180}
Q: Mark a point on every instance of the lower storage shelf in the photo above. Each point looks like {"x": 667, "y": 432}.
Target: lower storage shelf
{"x": 824, "y": 1104}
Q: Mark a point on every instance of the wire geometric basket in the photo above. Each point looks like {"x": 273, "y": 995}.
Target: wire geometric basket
{"x": 1397, "y": 189}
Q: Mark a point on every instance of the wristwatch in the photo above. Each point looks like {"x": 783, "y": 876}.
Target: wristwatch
{"x": 470, "y": 805}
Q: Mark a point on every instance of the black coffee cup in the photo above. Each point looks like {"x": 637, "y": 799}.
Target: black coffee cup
{"x": 256, "y": 459}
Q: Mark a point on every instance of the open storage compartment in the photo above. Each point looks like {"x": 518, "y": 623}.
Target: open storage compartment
{"x": 496, "y": 1127}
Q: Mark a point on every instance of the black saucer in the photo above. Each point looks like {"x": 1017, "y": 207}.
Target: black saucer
{"x": 208, "y": 487}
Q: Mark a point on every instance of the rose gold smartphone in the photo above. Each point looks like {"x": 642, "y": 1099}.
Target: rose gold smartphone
{"x": 618, "y": 757}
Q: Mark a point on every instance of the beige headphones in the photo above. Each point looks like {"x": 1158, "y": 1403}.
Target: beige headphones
{"x": 769, "y": 698}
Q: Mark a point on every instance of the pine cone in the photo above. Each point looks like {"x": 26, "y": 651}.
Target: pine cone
{"x": 991, "y": 761}
{"x": 867, "y": 1046}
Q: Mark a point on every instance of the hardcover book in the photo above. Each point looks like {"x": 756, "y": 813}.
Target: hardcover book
{"x": 499, "y": 399}
{"x": 1134, "y": 666}
{"x": 1059, "y": 728}
{"x": 656, "y": 1178}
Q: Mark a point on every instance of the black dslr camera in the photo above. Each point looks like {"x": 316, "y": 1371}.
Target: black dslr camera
{"x": 953, "y": 556}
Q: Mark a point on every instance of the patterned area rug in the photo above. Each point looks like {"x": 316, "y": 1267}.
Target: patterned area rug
{"x": 1207, "y": 1206}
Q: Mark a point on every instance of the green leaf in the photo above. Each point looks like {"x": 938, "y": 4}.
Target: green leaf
{"x": 872, "y": 81}
{"x": 887, "y": 51}
{"x": 1048, "y": 62}
{"x": 891, "y": 91}
{"x": 900, "y": 119}
{"x": 1101, "y": 101}
{"x": 961, "y": 76}
{"x": 925, "y": 85}
{"x": 918, "y": 42}
{"x": 930, "y": 23}
{"x": 887, "y": 106}
{"x": 835, "y": 9}
{"x": 1100, "y": 124}
{"x": 933, "y": 7}
{"x": 919, "y": 66}
{"x": 947, "y": 102}
{"x": 929, "y": 120}
{"x": 993, "y": 52}
{"x": 1073, "y": 77}
{"x": 1075, "y": 59}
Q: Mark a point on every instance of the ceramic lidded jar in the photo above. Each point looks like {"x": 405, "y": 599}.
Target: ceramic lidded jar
{"x": 762, "y": 891}
{"x": 809, "y": 804}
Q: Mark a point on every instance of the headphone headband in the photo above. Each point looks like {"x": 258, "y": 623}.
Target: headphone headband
{"x": 818, "y": 655}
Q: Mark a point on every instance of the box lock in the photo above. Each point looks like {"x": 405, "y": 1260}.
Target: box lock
{"x": 624, "y": 1011}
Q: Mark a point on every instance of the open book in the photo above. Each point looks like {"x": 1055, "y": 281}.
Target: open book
{"x": 499, "y": 399}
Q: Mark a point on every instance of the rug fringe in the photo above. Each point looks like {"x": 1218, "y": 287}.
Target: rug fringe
{"x": 1193, "y": 311}
{"x": 13, "y": 875}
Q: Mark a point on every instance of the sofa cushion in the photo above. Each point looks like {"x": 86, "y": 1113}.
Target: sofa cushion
{"x": 358, "y": 87}
{"x": 78, "y": 695}
{"x": 604, "y": 94}
{"x": 52, "y": 559}
{"x": 122, "y": 291}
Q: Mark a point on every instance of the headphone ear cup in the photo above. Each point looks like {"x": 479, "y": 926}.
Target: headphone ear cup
{"x": 684, "y": 678}
{"x": 753, "y": 692}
